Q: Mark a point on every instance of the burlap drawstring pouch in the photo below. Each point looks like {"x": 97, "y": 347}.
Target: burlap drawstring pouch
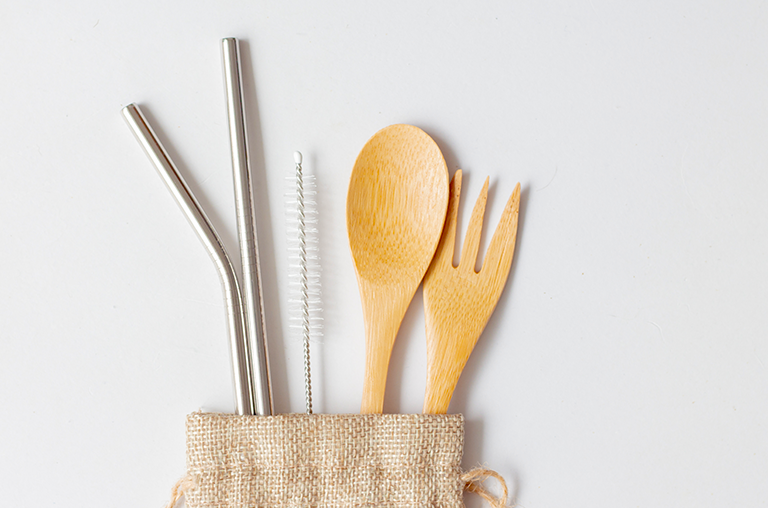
{"x": 324, "y": 460}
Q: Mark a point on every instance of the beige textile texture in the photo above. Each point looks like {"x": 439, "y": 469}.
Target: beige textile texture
{"x": 300, "y": 460}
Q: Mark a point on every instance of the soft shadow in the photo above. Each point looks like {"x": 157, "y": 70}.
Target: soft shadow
{"x": 488, "y": 229}
{"x": 450, "y": 158}
{"x": 473, "y": 447}
{"x": 263, "y": 219}
{"x": 396, "y": 371}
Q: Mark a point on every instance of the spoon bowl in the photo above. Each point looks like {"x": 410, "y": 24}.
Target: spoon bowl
{"x": 396, "y": 207}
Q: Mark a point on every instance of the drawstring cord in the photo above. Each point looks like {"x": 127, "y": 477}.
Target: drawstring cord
{"x": 182, "y": 487}
{"x": 473, "y": 480}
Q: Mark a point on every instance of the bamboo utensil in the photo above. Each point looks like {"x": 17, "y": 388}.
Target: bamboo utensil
{"x": 396, "y": 204}
{"x": 458, "y": 301}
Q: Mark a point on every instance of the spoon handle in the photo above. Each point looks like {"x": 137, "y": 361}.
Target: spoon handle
{"x": 376, "y": 366}
{"x": 382, "y": 321}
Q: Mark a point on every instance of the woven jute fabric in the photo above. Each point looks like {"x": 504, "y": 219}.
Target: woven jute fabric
{"x": 300, "y": 460}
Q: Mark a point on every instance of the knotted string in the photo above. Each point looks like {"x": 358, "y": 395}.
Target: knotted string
{"x": 182, "y": 487}
{"x": 473, "y": 480}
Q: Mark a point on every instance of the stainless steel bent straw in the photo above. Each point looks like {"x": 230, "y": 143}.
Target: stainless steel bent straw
{"x": 253, "y": 303}
{"x": 247, "y": 333}
{"x": 193, "y": 211}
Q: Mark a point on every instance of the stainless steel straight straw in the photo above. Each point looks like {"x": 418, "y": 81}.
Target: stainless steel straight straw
{"x": 193, "y": 211}
{"x": 246, "y": 228}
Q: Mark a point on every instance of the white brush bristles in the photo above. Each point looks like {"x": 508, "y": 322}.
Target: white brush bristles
{"x": 304, "y": 267}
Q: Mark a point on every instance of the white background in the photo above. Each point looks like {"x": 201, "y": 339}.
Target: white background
{"x": 626, "y": 363}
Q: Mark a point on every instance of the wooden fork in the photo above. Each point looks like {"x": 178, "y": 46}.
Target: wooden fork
{"x": 458, "y": 301}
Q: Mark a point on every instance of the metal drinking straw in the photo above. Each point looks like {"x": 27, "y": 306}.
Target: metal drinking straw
{"x": 197, "y": 218}
{"x": 245, "y": 305}
{"x": 253, "y": 303}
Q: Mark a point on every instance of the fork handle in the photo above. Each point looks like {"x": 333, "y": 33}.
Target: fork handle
{"x": 441, "y": 382}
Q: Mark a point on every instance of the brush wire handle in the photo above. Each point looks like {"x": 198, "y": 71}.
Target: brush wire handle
{"x": 303, "y": 277}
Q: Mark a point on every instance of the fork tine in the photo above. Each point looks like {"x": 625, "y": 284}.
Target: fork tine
{"x": 444, "y": 253}
{"x": 502, "y": 247}
{"x": 474, "y": 230}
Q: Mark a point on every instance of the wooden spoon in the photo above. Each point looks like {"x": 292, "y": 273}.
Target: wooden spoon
{"x": 396, "y": 207}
